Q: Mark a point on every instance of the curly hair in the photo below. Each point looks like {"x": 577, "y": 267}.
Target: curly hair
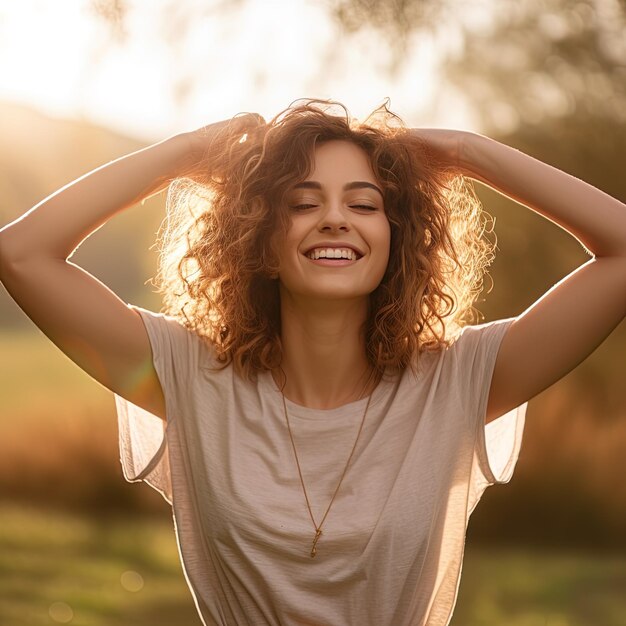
{"x": 218, "y": 262}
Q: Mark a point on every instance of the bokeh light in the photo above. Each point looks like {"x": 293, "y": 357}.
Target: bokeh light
{"x": 61, "y": 612}
{"x": 132, "y": 581}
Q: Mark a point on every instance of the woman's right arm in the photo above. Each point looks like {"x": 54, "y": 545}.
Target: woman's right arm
{"x": 83, "y": 317}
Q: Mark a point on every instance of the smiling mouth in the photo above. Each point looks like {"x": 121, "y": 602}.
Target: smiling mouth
{"x": 333, "y": 254}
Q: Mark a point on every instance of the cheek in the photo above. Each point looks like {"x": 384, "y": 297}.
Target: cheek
{"x": 286, "y": 244}
{"x": 384, "y": 237}
{"x": 289, "y": 261}
{"x": 384, "y": 245}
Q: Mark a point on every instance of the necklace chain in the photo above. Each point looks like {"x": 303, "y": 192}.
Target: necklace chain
{"x": 318, "y": 529}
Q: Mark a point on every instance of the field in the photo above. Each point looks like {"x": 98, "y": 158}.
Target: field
{"x": 63, "y": 568}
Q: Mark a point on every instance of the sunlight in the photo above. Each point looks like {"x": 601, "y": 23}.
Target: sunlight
{"x": 43, "y": 52}
{"x": 62, "y": 58}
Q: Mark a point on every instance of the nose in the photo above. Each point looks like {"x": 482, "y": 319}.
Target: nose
{"x": 334, "y": 218}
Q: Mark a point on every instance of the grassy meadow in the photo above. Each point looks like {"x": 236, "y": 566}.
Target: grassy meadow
{"x": 79, "y": 545}
{"x": 69, "y": 568}
{"x": 59, "y": 567}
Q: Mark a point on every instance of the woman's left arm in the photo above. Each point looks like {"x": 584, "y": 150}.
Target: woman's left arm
{"x": 563, "y": 327}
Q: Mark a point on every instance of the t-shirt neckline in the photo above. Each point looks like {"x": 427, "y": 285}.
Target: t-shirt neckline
{"x": 344, "y": 411}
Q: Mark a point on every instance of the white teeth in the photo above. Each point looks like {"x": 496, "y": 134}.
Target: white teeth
{"x": 333, "y": 253}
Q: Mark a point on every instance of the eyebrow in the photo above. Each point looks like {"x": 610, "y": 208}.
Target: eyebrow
{"x": 357, "y": 184}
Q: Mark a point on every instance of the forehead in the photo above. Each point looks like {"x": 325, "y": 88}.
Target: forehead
{"x": 338, "y": 158}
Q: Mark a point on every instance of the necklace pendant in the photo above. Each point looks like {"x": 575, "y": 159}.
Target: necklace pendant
{"x": 318, "y": 532}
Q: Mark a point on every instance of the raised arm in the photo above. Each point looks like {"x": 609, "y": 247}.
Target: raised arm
{"x": 84, "y": 318}
{"x": 573, "y": 318}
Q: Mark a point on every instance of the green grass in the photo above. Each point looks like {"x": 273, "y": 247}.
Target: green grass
{"x": 52, "y": 562}
{"x": 518, "y": 587}
{"x": 66, "y": 566}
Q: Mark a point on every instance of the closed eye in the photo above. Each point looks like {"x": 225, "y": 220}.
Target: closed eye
{"x": 303, "y": 207}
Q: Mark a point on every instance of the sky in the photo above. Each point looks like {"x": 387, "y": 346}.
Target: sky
{"x": 156, "y": 77}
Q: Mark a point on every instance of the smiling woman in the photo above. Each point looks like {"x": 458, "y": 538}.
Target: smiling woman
{"x": 312, "y": 163}
{"x": 312, "y": 401}
{"x": 331, "y": 222}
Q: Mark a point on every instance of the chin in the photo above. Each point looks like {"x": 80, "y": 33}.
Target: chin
{"x": 335, "y": 294}
{"x": 327, "y": 290}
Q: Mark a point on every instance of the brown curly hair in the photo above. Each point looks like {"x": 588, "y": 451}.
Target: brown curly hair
{"x": 218, "y": 262}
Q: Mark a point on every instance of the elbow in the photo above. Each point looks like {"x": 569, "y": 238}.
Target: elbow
{"x": 9, "y": 250}
{"x": 3, "y": 250}
{"x": 5, "y": 247}
{"x": 615, "y": 251}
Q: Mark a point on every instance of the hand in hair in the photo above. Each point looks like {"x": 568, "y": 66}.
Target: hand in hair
{"x": 201, "y": 142}
{"x": 443, "y": 147}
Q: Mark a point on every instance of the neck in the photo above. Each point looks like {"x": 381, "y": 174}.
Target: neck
{"x": 324, "y": 363}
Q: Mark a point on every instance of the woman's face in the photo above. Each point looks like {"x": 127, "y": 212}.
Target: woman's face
{"x": 338, "y": 244}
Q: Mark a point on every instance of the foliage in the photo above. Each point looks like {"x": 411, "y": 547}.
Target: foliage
{"x": 553, "y": 61}
{"x": 515, "y": 62}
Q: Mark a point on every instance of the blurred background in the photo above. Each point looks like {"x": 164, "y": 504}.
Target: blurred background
{"x": 86, "y": 81}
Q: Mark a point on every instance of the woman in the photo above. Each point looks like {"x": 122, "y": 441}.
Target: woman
{"x": 314, "y": 403}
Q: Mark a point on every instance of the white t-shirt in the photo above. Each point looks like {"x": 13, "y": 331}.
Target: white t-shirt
{"x": 392, "y": 545}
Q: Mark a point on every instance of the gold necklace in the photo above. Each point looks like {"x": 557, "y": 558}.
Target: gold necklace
{"x": 318, "y": 529}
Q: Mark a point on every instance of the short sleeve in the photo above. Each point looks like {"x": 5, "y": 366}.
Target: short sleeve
{"x": 497, "y": 444}
{"x": 142, "y": 435}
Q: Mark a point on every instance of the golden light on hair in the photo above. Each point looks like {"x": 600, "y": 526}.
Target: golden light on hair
{"x": 218, "y": 265}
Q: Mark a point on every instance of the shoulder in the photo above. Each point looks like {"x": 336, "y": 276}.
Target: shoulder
{"x": 473, "y": 338}
{"x": 173, "y": 334}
